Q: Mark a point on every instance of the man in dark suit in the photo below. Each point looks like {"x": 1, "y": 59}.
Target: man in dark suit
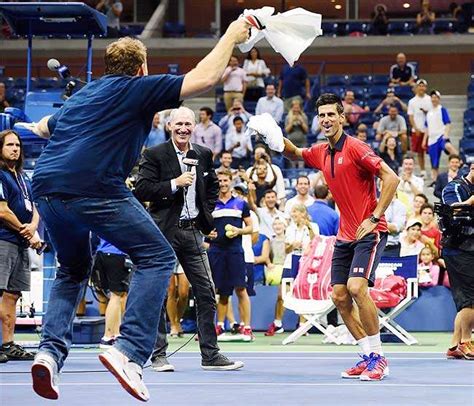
{"x": 181, "y": 203}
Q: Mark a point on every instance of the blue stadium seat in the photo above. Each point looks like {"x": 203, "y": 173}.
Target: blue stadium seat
{"x": 373, "y": 103}
{"x": 337, "y": 80}
{"x": 250, "y": 106}
{"x": 46, "y": 83}
{"x": 381, "y": 80}
{"x": 469, "y": 117}
{"x": 398, "y": 28}
{"x": 332, "y": 89}
{"x": 377, "y": 92}
{"x": 20, "y": 83}
{"x": 359, "y": 80}
{"x": 356, "y": 27}
{"x": 8, "y": 81}
{"x": 174, "y": 30}
{"x": 359, "y": 91}
{"x": 443, "y": 26}
{"x": 470, "y": 104}
{"x": 6, "y": 121}
{"x": 220, "y": 108}
{"x": 329, "y": 29}
{"x": 217, "y": 116}
{"x": 469, "y": 131}
{"x": 368, "y": 119}
{"x": 467, "y": 146}
{"x": 404, "y": 92}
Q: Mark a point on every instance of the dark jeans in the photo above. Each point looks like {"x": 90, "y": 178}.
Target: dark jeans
{"x": 187, "y": 243}
{"x": 128, "y": 226}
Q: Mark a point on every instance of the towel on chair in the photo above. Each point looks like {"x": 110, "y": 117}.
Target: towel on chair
{"x": 289, "y": 33}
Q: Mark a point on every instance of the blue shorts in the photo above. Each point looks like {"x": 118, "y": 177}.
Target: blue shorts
{"x": 228, "y": 270}
{"x": 250, "y": 279}
{"x": 357, "y": 259}
{"x": 295, "y": 266}
{"x": 435, "y": 151}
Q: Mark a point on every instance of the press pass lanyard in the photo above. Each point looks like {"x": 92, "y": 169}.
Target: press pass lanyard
{"x": 24, "y": 191}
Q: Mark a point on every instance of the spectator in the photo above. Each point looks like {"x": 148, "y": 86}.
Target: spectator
{"x": 380, "y": 20}
{"x": 410, "y": 243}
{"x": 430, "y": 229}
{"x": 389, "y": 153}
{"x": 352, "y": 110}
{"x": 261, "y": 185}
{"x": 260, "y": 151}
{"x": 361, "y": 133}
{"x": 428, "y": 270}
{"x": 396, "y": 217}
{"x": 3, "y": 98}
{"x": 239, "y": 144}
{"x": 270, "y": 104}
{"x": 112, "y": 273}
{"x": 261, "y": 250}
{"x": 410, "y": 184}
{"x": 395, "y": 125}
{"x": 207, "y": 133}
{"x": 438, "y": 126}
{"x": 296, "y": 124}
{"x": 298, "y": 236}
{"x": 418, "y": 107}
{"x": 234, "y": 82}
{"x": 460, "y": 15}
{"x": 320, "y": 213}
{"x": 226, "y": 255}
{"x": 225, "y": 158}
{"x": 268, "y": 212}
{"x": 402, "y": 74}
{"x": 157, "y": 133}
{"x": 237, "y": 109}
{"x": 454, "y": 163}
{"x": 113, "y": 10}
{"x": 278, "y": 256}
{"x": 415, "y": 209}
{"x": 425, "y": 19}
{"x": 18, "y": 225}
{"x": 256, "y": 70}
{"x": 302, "y": 195}
{"x": 390, "y": 100}
{"x": 293, "y": 84}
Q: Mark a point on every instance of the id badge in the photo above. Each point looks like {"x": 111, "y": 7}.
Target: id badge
{"x": 28, "y": 205}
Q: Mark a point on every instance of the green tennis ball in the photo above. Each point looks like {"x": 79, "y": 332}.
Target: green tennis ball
{"x": 229, "y": 234}
{"x": 228, "y": 227}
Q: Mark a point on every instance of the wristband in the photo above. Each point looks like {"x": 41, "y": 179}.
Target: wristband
{"x": 374, "y": 219}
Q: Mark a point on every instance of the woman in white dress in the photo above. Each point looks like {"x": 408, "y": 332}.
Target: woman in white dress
{"x": 256, "y": 69}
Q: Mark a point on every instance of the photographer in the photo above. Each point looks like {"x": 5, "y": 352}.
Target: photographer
{"x": 380, "y": 20}
{"x": 458, "y": 252}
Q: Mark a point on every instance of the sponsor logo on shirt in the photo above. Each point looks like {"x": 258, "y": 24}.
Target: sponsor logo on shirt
{"x": 358, "y": 270}
{"x": 339, "y": 161}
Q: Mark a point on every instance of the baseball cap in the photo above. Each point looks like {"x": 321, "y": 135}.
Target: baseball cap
{"x": 390, "y": 90}
{"x": 435, "y": 92}
{"x": 242, "y": 187}
{"x": 413, "y": 222}
{"x": 422, "y": 82}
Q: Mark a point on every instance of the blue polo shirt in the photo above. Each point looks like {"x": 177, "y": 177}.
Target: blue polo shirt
{"x": 293, "y": 79}
{"x": 231, "y": 212}
{"x": 325, "y": 217}
{"x": 14, "y": 191}
{"x": 98, "y": 134}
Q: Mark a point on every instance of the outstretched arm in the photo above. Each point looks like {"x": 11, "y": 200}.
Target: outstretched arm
{"x": 291, "y": 151}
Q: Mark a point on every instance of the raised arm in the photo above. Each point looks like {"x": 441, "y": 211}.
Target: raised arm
{"x": 291, "y": 151}
{"x": 209, "y": 71}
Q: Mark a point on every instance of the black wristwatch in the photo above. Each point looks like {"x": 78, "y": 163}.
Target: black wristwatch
{"x": 374, "y": 219}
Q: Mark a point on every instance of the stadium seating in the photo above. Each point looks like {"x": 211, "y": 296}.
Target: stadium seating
{"x": 174, "y": 30}
{"x": 443, "y": 26}
{"x": 337, "y": 80}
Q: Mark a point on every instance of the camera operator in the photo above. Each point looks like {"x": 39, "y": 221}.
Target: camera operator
{"x": 458, "y": 252}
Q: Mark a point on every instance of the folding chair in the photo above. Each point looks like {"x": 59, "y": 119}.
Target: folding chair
{"x": 309, "y": 295}
{"x": 405, "y": 267}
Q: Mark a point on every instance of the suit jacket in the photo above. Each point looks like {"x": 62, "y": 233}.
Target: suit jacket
{"x": 159, "y": 164}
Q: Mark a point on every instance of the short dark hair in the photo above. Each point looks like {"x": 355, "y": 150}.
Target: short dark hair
{"x": 268, "y": 191}
{"x": 454, "y": 156}
{"x": 321, "y": 191}
{"x": 393, "y": 105}
{"x": 427, "y": 206}
{"x": 409, "y": 156}
{"x": 237, "y": 118}
{"x": 19, "y": 163}
{"x": 208, "y": 111}
{"x": 423, "y": 196}
{"x": 302, "y": 177}
{"x": 225, "y": 152}
{"x": 330, "y": 98}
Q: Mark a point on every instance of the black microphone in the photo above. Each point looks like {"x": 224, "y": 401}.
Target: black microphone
{"x": 61, "y": 70}
{"x": 191, "y": 160}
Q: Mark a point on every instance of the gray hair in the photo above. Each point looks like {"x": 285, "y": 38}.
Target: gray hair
{"x": 182, "y": 110}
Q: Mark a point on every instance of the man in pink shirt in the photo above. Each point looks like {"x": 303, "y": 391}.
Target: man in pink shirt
{"x": 234, "y": 82}
{"x": 351, "y": 109}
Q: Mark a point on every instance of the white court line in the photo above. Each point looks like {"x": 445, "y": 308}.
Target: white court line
{"x": 348, "y": 350}
{"x": 233, "y": 383}
{"x": 296, "y": 358}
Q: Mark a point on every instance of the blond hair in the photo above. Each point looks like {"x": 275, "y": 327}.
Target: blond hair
{"x": 124, "y": 57}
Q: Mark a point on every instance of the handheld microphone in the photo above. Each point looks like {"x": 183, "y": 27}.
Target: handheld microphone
{"x": 191, "y": 160}
{"x": 61, "y": 70}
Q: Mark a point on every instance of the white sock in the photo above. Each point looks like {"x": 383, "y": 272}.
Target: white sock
{"x": 106, "y": 338}
{"x": 375, "y": 344}
{"x": 277, "y": 323}
{"x": 247, "y": 327}
{"x": 220, "y": 323}
{"x": 364, "y": 345}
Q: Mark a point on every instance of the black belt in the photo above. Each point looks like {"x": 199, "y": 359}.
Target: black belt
{"x": 185, "y": 223}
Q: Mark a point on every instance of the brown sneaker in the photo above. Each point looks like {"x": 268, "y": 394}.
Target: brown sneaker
{"x": 467, "y": 350}
{"x": 454, "y": 353}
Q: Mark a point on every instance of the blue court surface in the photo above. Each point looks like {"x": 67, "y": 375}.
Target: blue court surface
{"x": 268, "y": 378}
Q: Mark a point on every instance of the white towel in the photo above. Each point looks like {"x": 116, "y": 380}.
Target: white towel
{"x": 289, "y": 33}
{"x": 270, "y": 132}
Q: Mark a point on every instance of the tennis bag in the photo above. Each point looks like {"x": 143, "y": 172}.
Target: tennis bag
{"x": 388, "y": 292}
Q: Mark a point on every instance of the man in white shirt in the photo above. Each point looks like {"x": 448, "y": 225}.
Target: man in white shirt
{"x": 302, "y": 195}
{"x": 270, "y": 104}
{"x": 266, "y": 214}
{"x": 235, "y": 82}
{"x": 410, "y": 185}
{"x": 418, "y": 107}
{"x": 239, "y": 144}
